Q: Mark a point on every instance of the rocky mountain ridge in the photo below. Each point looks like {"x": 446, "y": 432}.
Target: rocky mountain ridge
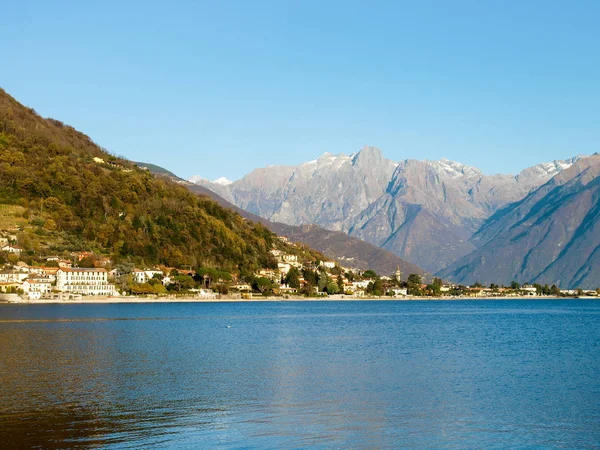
{"x": 423, "y": 211}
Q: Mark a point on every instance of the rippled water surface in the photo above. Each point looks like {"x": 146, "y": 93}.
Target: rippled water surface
{"x": 300, "y": 374}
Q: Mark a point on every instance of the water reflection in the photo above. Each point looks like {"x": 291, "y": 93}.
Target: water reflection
{"x": 365, "y": 375}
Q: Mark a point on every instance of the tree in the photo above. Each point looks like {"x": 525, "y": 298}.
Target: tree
{"x": 323, "y": 282}
{"x": 263, "y": 285}
{"x": 375, "y": 288}
{"x": 340, "y": 283}
{"x": 414, "y": 278}
{"x": 414, "y": 284}
{"x": 87, "y": 262}
{"x": 307, "y": 289}
{"x": 292, "y": 279}
{"x": 434, "y": 289}
{"x": 554, "y": 290}
{"x": 181, "y": 283}
{"x": 332, "y": 288}
{"x": 514, "y": 285}
{"x": 336, "y": 270}
{"x": 369, "y": 274}
{"x": 310, "y": 276}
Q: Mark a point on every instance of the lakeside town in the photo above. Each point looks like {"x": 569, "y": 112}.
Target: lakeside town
{"x": 84, "y": 275}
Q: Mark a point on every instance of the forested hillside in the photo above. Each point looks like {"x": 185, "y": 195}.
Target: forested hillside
{"x": 74, "y": 196}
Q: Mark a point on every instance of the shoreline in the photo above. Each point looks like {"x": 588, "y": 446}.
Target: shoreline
{"x": 145, "y": 300}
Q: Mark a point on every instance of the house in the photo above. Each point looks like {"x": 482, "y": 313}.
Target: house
{"x": 82, "y": 255}
{"x": 242, "y": 287}
{"x": 115, "y": 273}
{"x": 10, "y": 276}
{"x": 84, "y": 281}
{"x": 102, "y": 261}
{"x": 529, "y": 290}
{"x": 50, "y": 272}
{"x": 284, "y": 268}
{"x": 360, "y": 284}
{"x": 154, "y": 272}
{"x": 3, "y": 241}
{"x": 327, "y": 264}
{"x": 290, "y": 258}
{"x": 139, "y": 276}
{"x": 36, "y": 285}
{"x": 283, "y": 289}
{"x": 272, "y": 275}
{"x": 9, "y": 248}
{"x": 399, "y": 291}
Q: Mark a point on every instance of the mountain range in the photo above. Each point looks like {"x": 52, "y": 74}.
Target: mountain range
{"x": 427, "y": 212}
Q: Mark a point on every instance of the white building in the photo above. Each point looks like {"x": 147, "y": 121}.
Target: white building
{"x": 284, "y": 268}
{"x": 84, "y": 281}
{"x": 9, "y": 276}
{"x": 287, "y": 289}
{"x": 327, "y": 264}
{"x": 139, "y": 276}
{"x": 35, "y": 288}
{"x": 12, "y": 249}
{"x": 242, "y": 287}
{"x": 399, "y": 291}
{"x": 290, "y": 258}
{"x": 152, "y": 272}
{"x": 530, "y": 290}
{"x": 361, "y": 284}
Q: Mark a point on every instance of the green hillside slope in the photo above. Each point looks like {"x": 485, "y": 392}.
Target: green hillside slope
{"x": 73, "y": 195}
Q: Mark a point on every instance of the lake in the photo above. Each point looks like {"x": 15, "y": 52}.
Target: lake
{"x": 381, "y": 374}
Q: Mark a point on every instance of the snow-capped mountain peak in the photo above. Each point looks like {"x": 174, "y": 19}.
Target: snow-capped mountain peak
{"x": 547, "y": 170}
{"x": 454, "y": 169}
{"x": 197, "y": 179}
{"x": 223, "y": 181}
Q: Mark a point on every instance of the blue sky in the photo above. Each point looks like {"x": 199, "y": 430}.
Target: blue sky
{"x": 219, "y": 88}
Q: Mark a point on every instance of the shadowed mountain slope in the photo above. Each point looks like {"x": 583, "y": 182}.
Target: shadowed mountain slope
{"x": 551, "y": 236}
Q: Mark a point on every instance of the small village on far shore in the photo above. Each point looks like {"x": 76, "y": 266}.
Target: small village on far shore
{"x": 84, "y": 275}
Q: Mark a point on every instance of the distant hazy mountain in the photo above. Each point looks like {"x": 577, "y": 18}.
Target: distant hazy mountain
{"x": 551, "y": 236}
{"x": 423, "y": 211}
